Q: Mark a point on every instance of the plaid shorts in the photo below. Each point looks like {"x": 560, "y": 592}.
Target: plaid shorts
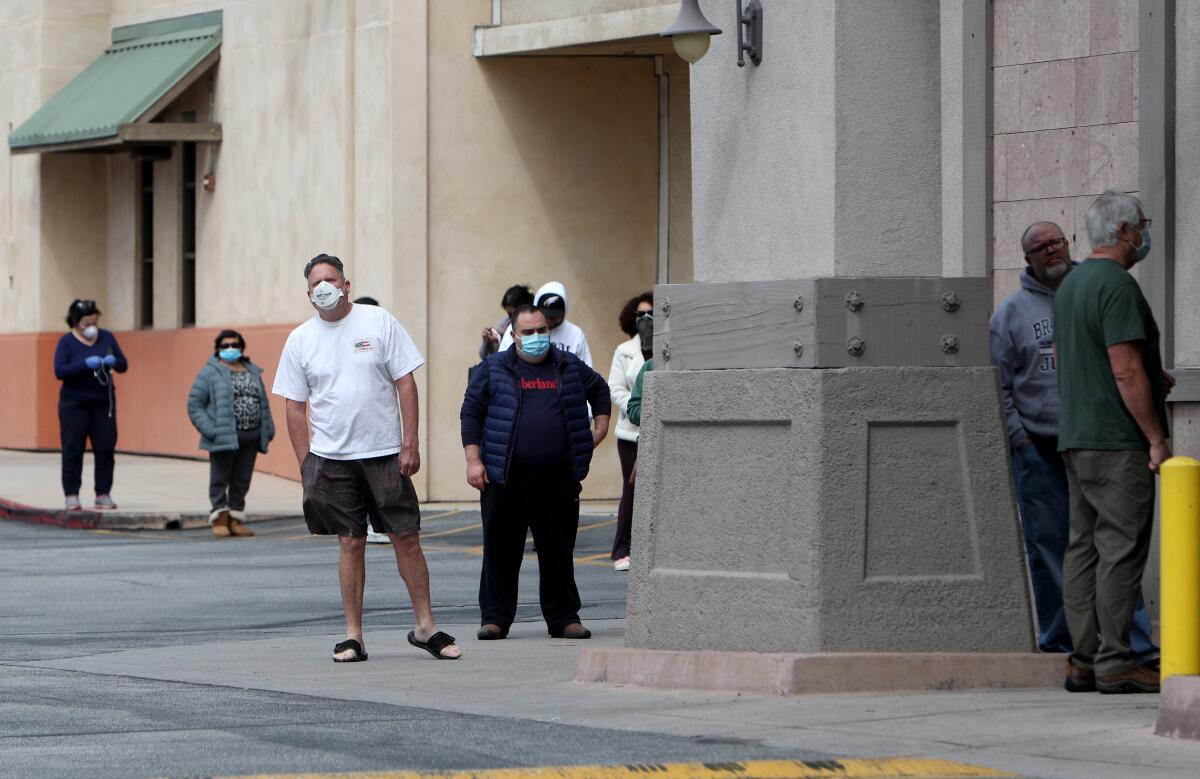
{"x": 339, "y": 495}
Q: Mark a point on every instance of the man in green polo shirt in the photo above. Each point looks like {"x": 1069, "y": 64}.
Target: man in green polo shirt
{"x": 1113, "y": 437}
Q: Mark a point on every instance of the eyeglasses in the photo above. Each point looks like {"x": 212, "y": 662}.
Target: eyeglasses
{"x": 1145, "y": 223}
{"x": 1056, "y": 243}
{"x": 229, "y": 345}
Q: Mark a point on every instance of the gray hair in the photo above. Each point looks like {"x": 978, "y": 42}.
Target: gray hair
{"x": 1106, "y": 215}
{"x": 324, "y": 259}
{"x": 1025, "y": 245}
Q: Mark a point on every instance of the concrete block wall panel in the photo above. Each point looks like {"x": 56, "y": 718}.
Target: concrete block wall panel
{"x": 921, "y": 548}
{"x": 1065, "y": 117}
{"x": 726, "y": 512}
{"x": 858, "y": 509}
{"x": 1187, "y": 186}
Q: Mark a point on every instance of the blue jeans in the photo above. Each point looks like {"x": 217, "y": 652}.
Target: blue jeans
{"x": 1041, "y": 481}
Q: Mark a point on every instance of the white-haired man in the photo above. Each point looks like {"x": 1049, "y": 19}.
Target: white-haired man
{"x": 1113, "y": 435}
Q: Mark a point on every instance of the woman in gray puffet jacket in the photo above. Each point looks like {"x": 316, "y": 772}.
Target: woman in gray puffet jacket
{"x": 228, "y": 404}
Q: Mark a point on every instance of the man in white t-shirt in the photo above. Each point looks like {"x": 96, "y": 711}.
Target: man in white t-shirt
{"x": 551, "y": 300}
{"x": 347, "y": 365}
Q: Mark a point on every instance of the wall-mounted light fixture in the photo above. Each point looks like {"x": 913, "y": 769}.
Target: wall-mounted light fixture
{"x": 691, "y": 32}
{"x": 750, "y": 26}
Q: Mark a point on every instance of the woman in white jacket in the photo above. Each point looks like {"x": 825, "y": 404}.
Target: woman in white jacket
{"x": 627, "y": 361}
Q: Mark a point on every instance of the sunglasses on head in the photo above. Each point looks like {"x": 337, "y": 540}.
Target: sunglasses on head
{"x": 85, "y": 305}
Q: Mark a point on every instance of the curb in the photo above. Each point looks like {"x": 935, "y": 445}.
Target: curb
{"x": 113, "y": 520}
{"x": 799, "y": 674}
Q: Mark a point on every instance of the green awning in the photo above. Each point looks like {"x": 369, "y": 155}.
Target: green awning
{"x": 127, "y": 86}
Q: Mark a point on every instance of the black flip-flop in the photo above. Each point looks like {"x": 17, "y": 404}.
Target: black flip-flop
{"x": 434, "y": 646}
{"x": 349, "y": 643}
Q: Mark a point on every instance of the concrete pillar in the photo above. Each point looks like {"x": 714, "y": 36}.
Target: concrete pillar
{"x": 122, "y": 243}
{"x": 809, "y": 497}
{"x": 168, "y": 243}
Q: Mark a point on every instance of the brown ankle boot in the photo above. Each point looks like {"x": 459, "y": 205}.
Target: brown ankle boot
{"x": 238, "y": 528}
{"x": 220, "y": 524}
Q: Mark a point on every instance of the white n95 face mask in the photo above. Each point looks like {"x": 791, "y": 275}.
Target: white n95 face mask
{"x": 325, "y": 295}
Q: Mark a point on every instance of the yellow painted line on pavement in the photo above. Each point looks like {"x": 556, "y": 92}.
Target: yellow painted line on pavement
{"x": 451, "y": 531}
{"x": 883, "y": 768}
{"x": 475, "y": 526}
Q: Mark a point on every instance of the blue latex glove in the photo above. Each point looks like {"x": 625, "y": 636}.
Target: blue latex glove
{"x": 109, "y": 361}
{"x": 92, "y": 362}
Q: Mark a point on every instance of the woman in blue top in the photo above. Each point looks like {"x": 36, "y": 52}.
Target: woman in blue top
{"x": 84, "y": 361}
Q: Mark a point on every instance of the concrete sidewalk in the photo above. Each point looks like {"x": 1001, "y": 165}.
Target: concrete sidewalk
{"x": 1037, "y": 733}
{"x": 152, "y": 493}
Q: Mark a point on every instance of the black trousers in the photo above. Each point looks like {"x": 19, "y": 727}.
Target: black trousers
{"x": 627, "y": 452}
{"x": 229, "y": 473}
{"x": 545, "y": 501}
{"x": 79, "y": 420}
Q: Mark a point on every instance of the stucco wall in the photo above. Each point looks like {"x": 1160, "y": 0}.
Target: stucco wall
{"x": 538, "y": 170}
{"x": 1187, "y": 193}
{"x": 526, "y": 11}
{"x": 759, "y": 160}
{"x": 42, "y": 46}
{"x": 786, "y": 176}
{"x": 1065, "y": 121}
{"x": 438, "y": 178}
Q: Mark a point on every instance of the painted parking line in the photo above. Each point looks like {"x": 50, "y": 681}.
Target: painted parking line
{"x": 883, "y": 768}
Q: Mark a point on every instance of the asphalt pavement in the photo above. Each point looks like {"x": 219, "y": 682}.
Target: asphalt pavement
{"x": 158, "y": 653}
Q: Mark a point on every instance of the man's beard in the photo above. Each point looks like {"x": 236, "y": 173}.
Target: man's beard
{"x": 1054, "y": 272}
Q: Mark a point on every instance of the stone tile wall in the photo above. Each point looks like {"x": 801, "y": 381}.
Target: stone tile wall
{"x": 1065, "y": 117}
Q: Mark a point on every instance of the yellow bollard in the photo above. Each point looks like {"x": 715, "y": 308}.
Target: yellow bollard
{"x": 1180, "y": 567}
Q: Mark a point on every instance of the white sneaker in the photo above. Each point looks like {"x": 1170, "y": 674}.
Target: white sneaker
{"x": 621, "y": 565}
{"x": 376, "y": 538}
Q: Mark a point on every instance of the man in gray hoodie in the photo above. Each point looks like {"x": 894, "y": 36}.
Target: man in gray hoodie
{"x": 1022, "y": 345}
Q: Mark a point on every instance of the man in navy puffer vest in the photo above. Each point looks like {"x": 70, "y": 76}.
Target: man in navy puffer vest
{"x": 529, "y": 444}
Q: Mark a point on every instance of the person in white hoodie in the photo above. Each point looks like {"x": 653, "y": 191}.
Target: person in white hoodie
{"x": 627, "y": 361}
{"x": 551, "y": 299}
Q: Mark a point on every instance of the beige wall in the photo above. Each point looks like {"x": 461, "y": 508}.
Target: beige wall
{"x": 540, "y": 169}
{"x": 1065, "y": 117}
{"x": 74, "y": 225}
{"x": 42, "y": 265}
{"x": 680, "y": 204}
{"x": 367, "y": 130}
{"x": 526, "y": 11}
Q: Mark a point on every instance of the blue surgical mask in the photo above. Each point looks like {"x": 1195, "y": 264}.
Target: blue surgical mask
{"x": 1144, "y": 250}
{"x": 230, "y": 355}
{"x": 535, "y": 345}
